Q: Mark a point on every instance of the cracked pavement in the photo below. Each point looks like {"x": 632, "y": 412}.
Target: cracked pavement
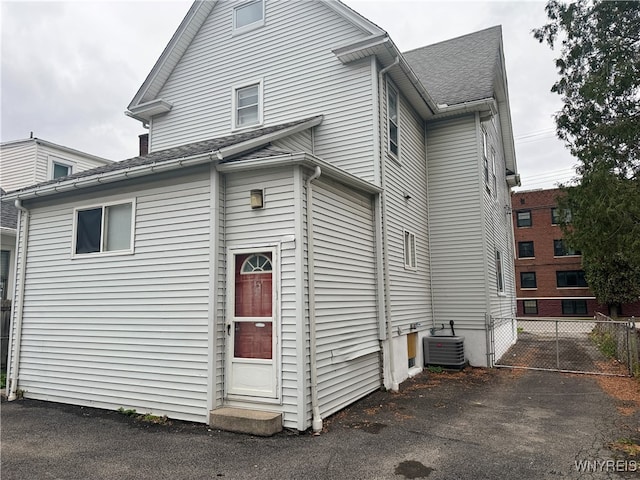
{"x": 475, "y": 424}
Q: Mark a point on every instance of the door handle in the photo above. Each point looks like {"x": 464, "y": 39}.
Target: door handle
{"x": 228, "y": 329}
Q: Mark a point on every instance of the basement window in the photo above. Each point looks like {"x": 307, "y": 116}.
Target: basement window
{"x": 104, "y": 228}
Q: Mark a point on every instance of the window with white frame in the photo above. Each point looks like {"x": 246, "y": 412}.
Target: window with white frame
{"x": 104, "y": 228}
{"x": 493, "y": 172}
{"x": 248, "y": 16}
{"x": 59, "y": 168}
{"x": 499, "y": 272}
{"x": 247, "y": 105}
{"x": 409, "y": 250}
{"x": 393, "y": 121}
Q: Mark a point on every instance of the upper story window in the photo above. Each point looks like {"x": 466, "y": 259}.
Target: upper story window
{"x": 485, "y": 157}
{"x": 393, "y": 121}
{"x": 247, "y": 105}
{"x": 59, "y": 168}
{"x": 557, "y": 216}
{"x": 561, "y": 249}
{"x": 104, "y": 228}
{"x": 499, "y": 272}
{"x": 410, "y": 260}
{"x": 524, "y": 218}
{"x": 248, "y": 16}
{"x": 571, "y": 278}
{"x": 493, "y": 172}
{"x": 525, "y": 250}
{"x": 528, "y": 280}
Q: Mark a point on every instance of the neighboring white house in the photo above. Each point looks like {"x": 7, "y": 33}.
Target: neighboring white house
{"x": 312, "y": 205}
{"x": 23, "y": 163}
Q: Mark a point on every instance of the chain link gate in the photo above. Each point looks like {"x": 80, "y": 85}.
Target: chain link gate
{"x": 597, "y": 346}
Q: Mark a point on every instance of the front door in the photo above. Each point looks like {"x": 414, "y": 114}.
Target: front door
{"x": 251, "y": 326}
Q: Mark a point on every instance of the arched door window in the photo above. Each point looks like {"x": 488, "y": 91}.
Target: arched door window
{"x": 256, "y": 263}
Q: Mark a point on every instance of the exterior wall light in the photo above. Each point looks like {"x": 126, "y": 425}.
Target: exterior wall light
{"x": 257, "y": 199}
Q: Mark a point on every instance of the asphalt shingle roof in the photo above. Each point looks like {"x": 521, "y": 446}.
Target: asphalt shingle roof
{"x": 459, "y": 70}
{"x": 182, "y": 151}
{"x": 8, "y": 214}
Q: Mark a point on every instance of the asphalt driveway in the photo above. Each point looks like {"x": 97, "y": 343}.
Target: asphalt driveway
{"x": 478, "y": 424}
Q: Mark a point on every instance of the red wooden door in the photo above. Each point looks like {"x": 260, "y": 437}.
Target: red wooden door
{"x": 253, "y": 298}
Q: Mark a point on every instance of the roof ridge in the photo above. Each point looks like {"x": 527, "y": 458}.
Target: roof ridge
{"x": 459, "y": 37}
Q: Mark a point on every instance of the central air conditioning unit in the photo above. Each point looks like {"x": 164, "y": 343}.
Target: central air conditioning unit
{"x": 447, "y": 352}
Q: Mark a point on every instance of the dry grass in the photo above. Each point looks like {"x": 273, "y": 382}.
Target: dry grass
{"x": 626, "y": 390}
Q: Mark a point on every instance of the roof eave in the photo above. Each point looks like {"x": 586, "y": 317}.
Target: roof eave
{"x": 145, "y": 111}
{"x": 303, "y": 159}
{"x": 383, "y": 48}
{"x": 98, "y": 179}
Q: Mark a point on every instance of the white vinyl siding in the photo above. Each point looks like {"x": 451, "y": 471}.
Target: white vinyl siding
{"x": 459, "y": 264}
{"x": 270, "y": 225}
{"x": 28, "y": 162}
{"x": 410, "y": 290}
{"x": 345, "y": 296}
{"x": 498, "y": 228}
{"x": 17, "y": 168}
{"x": 301, "y": 79}
{"x": 128, "y": 331}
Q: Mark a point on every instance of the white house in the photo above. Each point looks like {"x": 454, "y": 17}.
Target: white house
{"x": 314, "y": 202}
{"x": 23, "y": 163}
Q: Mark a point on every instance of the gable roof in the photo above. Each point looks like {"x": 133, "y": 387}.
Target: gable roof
{"x": 146, "y": 103}
{"x": 221, "y": 148}
{"x": 461, "y": 69}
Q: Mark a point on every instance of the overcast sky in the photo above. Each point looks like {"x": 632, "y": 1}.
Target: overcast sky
{"x": 69, "y": 69}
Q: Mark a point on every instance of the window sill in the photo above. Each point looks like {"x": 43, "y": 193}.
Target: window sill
{"x": 526, "y": 258}
{"x": 115, "y": 253}
{"x": 394, "y": 158}
{"x": 247, "y": 128}
{"x": 529, "y": 288}
{"x": 247, "y": 28}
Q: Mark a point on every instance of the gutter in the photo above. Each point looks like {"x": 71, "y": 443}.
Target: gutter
{"x": 445, "y": 111}
{"x": 19, "y": 309}
{"x": 141, "y": 170}
{"x": 393, "y": 383}
{"x": 316, "y": 423}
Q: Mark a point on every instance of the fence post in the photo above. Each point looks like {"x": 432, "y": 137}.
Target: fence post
{"x": 557, "y": 348}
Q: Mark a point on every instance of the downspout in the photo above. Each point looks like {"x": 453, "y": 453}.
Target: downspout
{"x": 24, "y": 216}
{"x": 316, "y": 423}
{"x": 393, "y": 384}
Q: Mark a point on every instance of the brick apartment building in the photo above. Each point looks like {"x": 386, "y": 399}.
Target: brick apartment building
{"x": 550, "y": 281}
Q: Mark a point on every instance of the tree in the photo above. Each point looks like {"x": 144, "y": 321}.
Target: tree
{"x": 599, "y": 68}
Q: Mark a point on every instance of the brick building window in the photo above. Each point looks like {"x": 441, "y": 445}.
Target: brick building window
{"x": 574, "y": 307}
{"x": 528, "y": 280}
{"x": 524, "y": 218}
{"x": 556, "y": 215}
{"x": 530, "y": 307}
{"x": 561, "y": 249}
{"x": 571, "y": 278}
{"x": 525, "y": 250}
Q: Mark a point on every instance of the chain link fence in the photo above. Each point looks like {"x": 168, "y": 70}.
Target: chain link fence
{"x": 599, "y": 345}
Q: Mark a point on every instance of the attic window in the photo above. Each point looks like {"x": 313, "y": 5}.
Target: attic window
{"x": 248, "y": 16}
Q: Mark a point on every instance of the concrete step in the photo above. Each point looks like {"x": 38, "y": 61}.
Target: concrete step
{"x": 254, "y": 422}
